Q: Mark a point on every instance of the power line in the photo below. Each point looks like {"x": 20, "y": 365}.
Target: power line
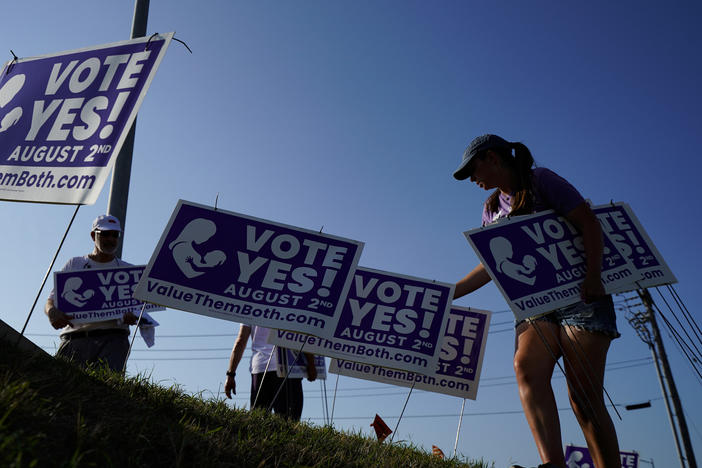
{"x": 233, "y": 336}
{"x": 665, "y": 376}
{"x": 681, "y": 326}
{"x": 217, "y": 358}
{"x": 690, "y": 319}
{"x": 453, "y": 415}
{"x": 677, "y": 345}
{"x": 317, "y": 394}
{"x": 220, "y": 358}
{"x": 640, "y": 320}
{"x": 508, "y": 322}
{"x": 492, "y": 332}
{"x": 206, "y": 335}
{"x": 680, "y": 341}
{"x": 499, "y": 312}
{"x": 183, "y": 350}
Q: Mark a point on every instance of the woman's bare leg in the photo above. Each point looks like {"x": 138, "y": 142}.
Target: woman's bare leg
{"x": 533, "y": 364}
{"x": 585, "y": 355}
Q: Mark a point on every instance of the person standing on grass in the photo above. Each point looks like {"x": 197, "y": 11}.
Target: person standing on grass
{"x": 266, "y": 389}
{"x": 104, "y": 341}
{"x": 493, "y": 163}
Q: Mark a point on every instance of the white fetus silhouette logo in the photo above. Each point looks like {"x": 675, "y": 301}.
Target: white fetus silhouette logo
{"x": 70, "y": 292}
{"x": 574, "y": 458}
{"x": 502, "y": 251}
{"x": 7, "y": 92}
{"x": 190, "y": 262}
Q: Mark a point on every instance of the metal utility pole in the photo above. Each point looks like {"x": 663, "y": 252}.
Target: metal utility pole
{"x": 119, "y": 186}
{"x": 666, "y": 377}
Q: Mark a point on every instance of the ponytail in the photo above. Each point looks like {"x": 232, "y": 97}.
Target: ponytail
{"x": 523, "y": 196}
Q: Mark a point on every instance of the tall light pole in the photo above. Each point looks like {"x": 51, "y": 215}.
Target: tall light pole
{"x": 119, "y": 186}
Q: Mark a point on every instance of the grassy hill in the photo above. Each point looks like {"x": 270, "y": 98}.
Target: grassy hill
{"x": 55, "y": 414}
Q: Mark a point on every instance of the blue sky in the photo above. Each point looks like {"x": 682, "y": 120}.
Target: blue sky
{"x": 352, "y": 116}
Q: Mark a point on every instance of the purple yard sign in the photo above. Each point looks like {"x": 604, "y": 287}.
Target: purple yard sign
{"x": 460, "y": 361}
{"x": 538, "y": 262}
{"x": 579, "y": 457}
{"x": 389, "y": 320}
{"x": 94, "y": 295}
{"x": 249, "y": 270}
{"x": 621, "y": 225}
{"x": 64, "y": 117}
{"x": 296, "y": 362}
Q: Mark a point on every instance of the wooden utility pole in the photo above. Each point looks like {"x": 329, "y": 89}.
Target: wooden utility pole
{"x": 668, "y": 386}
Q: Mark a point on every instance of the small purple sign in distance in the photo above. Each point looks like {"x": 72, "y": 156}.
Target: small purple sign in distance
{"x": 244, "y": 269}
{"x": 64, "y": 117}
{"x": 95, "y": 295}
{"x": 388, "y": 320}
{"x": 579, "y": 457}
{"x": 460, "y": 361}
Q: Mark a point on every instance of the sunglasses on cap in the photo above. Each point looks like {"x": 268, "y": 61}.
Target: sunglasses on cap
{"x": 114, "y": 234}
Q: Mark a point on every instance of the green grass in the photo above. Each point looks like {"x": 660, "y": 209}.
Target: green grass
{"x": 54, "y": 414}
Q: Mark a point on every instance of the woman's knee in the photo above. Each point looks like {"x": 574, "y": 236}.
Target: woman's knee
{"x": 530, "y": 372}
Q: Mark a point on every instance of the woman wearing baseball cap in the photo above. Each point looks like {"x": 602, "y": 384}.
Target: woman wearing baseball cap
{"x": 493, "y": 163}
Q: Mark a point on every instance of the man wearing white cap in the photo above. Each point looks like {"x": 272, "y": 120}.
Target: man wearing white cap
{"x": 106, "y": 340}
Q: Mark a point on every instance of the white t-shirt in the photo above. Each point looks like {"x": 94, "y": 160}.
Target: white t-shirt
{"x": 262, "y": 351}
{"x": 80, "y": 263}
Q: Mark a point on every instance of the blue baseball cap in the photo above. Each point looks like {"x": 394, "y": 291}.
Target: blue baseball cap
{"x": 479, "y": 144}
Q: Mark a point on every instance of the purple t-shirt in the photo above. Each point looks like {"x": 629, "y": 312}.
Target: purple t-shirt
{"x": 551, "y": 191}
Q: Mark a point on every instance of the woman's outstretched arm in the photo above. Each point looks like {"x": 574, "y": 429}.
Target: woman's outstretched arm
{"x": 584, "y": 219}
{"x": 476, "y": 279}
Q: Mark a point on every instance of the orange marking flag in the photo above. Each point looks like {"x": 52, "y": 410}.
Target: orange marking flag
{"x": 381, "y": 429}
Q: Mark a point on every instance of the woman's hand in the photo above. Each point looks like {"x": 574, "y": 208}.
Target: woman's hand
{"x": 129, "y": 318}
{"x": 230, "y": 387}
{"x": 57, "y": 318}
{"x": 311, "y": 367}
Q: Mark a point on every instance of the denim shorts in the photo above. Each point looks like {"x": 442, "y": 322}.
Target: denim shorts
{"x": 596, "y": 317}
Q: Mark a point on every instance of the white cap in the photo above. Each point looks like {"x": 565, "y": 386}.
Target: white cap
{"x": 106, "y": 223}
